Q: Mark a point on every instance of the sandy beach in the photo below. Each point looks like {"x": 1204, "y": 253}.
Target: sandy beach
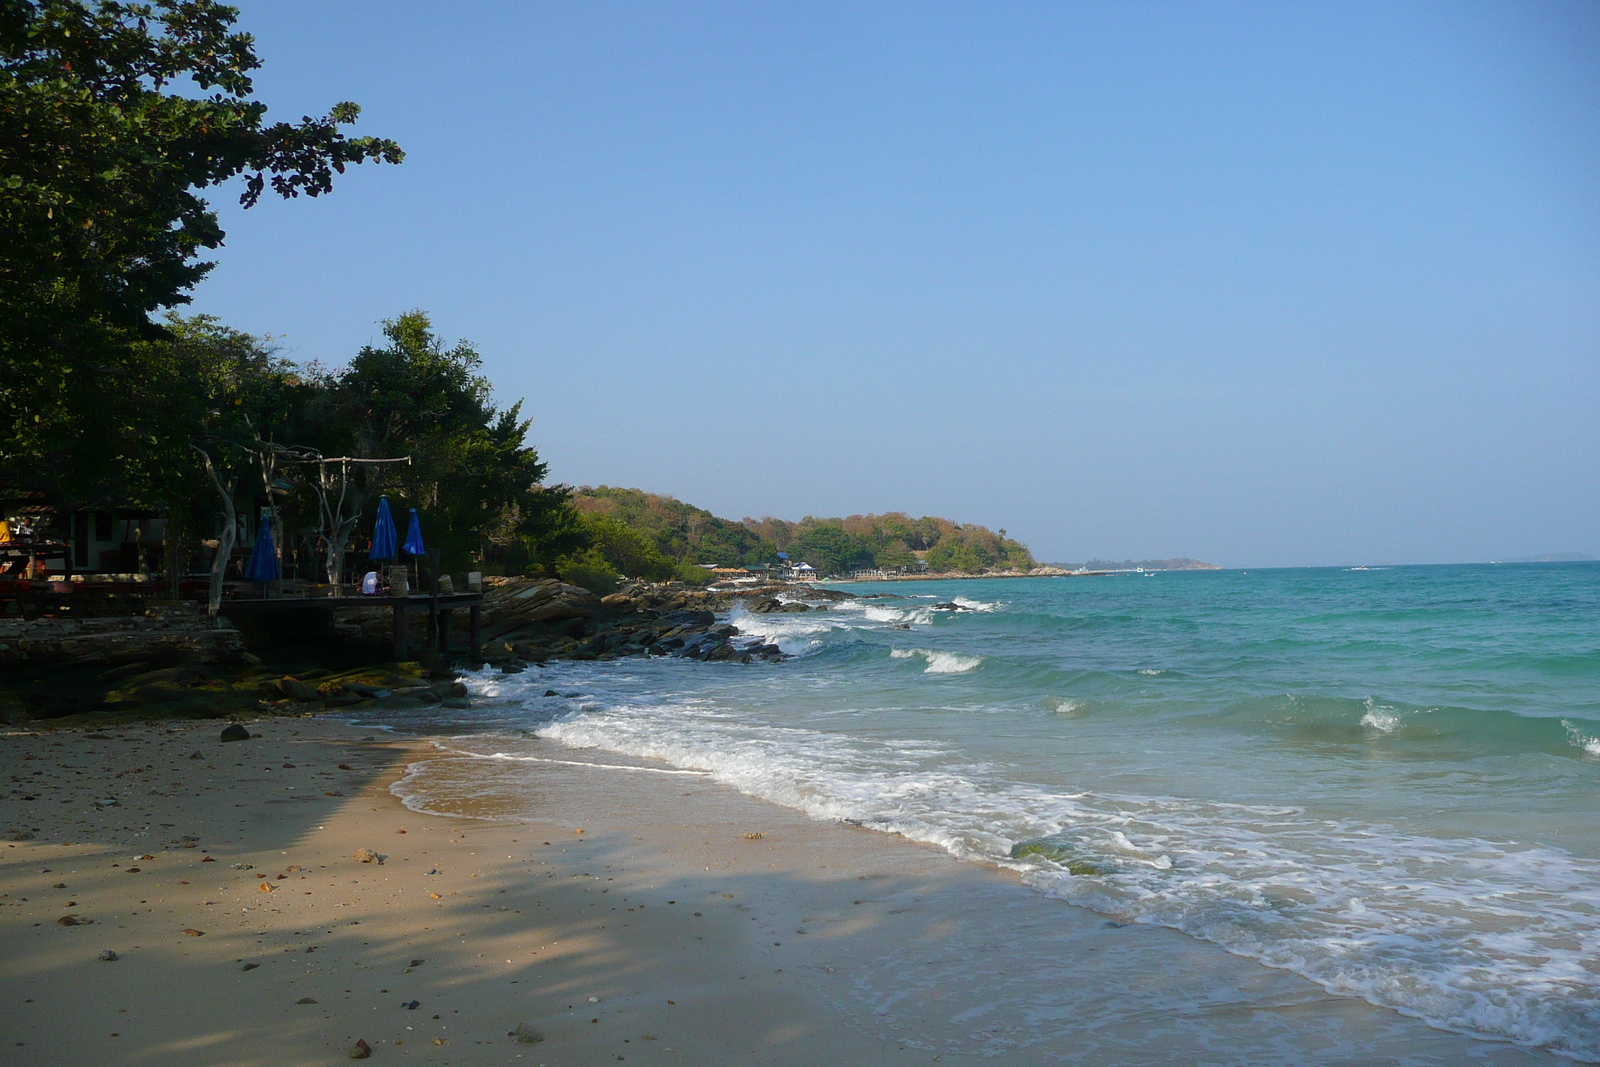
{"x": 637, "y": 914}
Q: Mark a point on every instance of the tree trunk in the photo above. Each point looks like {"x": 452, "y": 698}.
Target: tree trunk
{"x": 225, "y": 538}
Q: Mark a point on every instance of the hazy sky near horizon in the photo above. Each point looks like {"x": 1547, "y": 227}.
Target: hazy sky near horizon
{"x": 1261, "y": 284}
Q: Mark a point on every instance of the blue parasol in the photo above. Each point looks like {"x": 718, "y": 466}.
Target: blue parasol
{"x": 413, "y": 543}
{"x": 383, "y": 535}
{"x": 263, "y": 565}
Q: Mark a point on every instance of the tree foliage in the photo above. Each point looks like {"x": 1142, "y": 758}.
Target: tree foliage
{"x": 477, "y": 483}
{"x": 893, "y": 541}
{"x": 114, "y": 116}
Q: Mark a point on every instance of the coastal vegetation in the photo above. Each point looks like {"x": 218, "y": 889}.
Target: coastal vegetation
{"x": 115, "y": 117}
{"x": 892, "y": 542}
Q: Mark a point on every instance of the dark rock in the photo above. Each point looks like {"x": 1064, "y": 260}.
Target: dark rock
{"x": 235, "y": 732}
{"x": 295, "y": 689}
{"x": 951, "y": 606}
{"x": 127, "y": 670}
{"x": 360, "y": 1051}
{"x": 108, "y": 956}
{"x": 306, "y": 1000}
{"x": 525, "y": 1035}
{"x": 691, "y": 618}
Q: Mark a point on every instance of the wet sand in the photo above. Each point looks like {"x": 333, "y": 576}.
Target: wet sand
{"x": 614, "y": 911}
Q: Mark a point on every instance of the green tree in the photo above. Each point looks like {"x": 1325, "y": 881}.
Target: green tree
{"x": 227, "y": 398}
{"x": 113, "y": 116}
{"x": 627, "y": 550}
{"x": 472, "y": 474}
{"x": 830, "y": 549}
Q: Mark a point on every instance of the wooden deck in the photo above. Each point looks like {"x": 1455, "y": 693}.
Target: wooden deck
{"x": 439, "y": 610}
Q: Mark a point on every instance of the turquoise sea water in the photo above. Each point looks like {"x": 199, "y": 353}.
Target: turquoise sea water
{"x": 1386, "y": 780}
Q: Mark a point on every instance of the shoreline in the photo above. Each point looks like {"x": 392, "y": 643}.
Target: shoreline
{"x": 712, "y": 927}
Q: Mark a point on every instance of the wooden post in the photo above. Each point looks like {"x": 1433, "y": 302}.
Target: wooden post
{"x": 445, "y": 615}
{"x": 434, "y": 637}
{"x": 401, "y": 647}
{"x": 475, "y": 634}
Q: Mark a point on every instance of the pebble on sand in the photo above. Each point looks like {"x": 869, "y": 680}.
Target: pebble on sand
{"x": 108, "y": 955}
{"x": 360, "y": 1051}
{"x": 235, "y": 732}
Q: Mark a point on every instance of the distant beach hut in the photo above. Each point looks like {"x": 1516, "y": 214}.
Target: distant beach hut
{"x": 383, "y": 535}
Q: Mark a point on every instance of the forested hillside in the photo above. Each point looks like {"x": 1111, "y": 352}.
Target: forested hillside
{"x": 678, "y": 533}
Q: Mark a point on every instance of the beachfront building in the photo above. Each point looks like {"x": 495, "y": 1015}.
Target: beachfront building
{"x": 733, "y": 576}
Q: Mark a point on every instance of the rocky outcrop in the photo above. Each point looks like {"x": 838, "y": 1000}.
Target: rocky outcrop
{"x": 179, "y": 633}
{"x": 532, "y": 621}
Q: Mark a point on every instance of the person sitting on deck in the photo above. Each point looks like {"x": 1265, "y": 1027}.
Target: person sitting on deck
{"x": 369, "y": 584}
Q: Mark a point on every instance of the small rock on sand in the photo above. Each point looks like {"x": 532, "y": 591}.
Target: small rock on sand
{"x": 235, "y": 732}
{"x": 525, "y": 1035}
{"x": 108, "y": 956}
{"x": 360, "y": 1051}
{"x": 306, "y": 1000}
{"x": 366, "y": 855}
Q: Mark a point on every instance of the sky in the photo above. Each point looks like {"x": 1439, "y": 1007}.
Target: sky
{"x": 1259, "y": 284}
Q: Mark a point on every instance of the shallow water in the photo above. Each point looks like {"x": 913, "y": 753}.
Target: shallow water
{"x": 1386, "y": 781}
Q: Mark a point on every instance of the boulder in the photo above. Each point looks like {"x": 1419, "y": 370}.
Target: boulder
{"x": 235, "y": 732}
{"x": 295, "y": 689}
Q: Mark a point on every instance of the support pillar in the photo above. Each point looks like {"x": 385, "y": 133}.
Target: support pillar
{"x": 475, "y": 634}
{"x": 401, "y": 647}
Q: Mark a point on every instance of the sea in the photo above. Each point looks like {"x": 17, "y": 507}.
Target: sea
{"x": 1385, "y": 780}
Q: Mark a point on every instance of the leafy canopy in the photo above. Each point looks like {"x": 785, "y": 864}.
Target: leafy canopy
{"x": 471, "y": 474}
{"x": 114, "y": 116}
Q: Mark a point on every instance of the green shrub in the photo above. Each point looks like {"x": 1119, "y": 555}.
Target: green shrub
{"x": 689, "y": 574}
{"x": 590, "y": 571}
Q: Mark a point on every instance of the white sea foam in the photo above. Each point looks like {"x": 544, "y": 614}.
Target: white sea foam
{"x": 1588, "y": 743}
{"x": 1480, "y": 936}
{"x": 939, "y": 662}
{"x": 1380, "y": 717}
{"x": 1063, "y": 705}
{"x": 978, "y": 605}
{"x": 795, "y": 634}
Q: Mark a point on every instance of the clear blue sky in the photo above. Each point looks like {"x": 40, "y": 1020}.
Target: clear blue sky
{"x": 1263, "y": 284}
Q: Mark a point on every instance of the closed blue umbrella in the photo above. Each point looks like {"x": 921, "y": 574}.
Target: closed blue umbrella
{"x": 413, "y": 543}
{"x": 263, "y": 565}
{"x": 383, "y": 534}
